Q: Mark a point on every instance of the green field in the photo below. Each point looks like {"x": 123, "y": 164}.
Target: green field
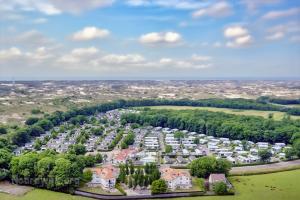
{"x": 38, "y": 194}
{"x": 276, "y": 114}
{"x": 275, "y": 186}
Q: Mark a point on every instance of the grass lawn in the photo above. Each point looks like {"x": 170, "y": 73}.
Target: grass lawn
{"x": 99, "y": 190}
{"x": 197, "y": 186}
{"x": 276, "y": 114}
{"x": 276, "y": 186}
{"x": 38, "y": 194}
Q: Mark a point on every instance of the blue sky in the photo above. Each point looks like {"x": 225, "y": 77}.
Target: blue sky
{"x": 109, "y": 39}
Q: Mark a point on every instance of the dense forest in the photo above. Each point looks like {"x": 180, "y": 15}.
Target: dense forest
{"x": 219, "y": 124}
{"x": 266, "y": 99}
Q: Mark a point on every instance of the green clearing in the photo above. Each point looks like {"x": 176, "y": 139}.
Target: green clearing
{"x": 276, "y": 114}
{"x": 275, "y": 186}
{"x": 99, "y": 190}
{"x": 39, "y": 194}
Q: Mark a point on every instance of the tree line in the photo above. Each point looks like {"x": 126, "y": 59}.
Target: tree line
{"x": 36, "y": 126}
{"x": 219, "y": 124}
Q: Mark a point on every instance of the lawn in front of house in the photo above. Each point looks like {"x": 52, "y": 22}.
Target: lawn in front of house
{"x": 99, "y": 190}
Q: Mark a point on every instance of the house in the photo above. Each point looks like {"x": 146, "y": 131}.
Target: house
{"x": 231, "y": 159}
{"x": 262, "y": 145}
{"x": 181, "y": 160}
{"x": 104, "y": 177}
{"x": 176, "y": 178}
{"x": 149, "y": 158}
{"x": 122, "y": 156}
{"x": 216, "y": 178}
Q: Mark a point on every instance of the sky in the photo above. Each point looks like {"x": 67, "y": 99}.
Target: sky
{"x": 149, "y": 39}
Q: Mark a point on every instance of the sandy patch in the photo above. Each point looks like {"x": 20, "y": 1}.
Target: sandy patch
{"x": 14, "y": 189}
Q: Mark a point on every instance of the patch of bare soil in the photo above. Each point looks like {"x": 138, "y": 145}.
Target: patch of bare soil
{"x": 18, "y": 190}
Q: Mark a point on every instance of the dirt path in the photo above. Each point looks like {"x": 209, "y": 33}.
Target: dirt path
{"x": 14, "y": 189}
{"x": 266, "y": 168}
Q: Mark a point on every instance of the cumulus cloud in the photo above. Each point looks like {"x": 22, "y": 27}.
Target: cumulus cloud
{"x": 193, "y": 63}
{"x": 41, "y": 6}
{"x": 235, "y": 31}
{"x": 30, "y": 39}
{"x": 174, "y": 4}
{"x": 252, "y": 5}
{"x": 78, "y": 55}
{"x": 275, "y": 36}
{"x": 281, "y": 14}
{"x": 280, "y": 31}
{"x": 123, "y": 59}
{"x": 78, "y": 6}
{"x": 14, "y": 53}
{"x": 219, "y": 9}
{"x": 53, "y": 7}
{"x": 161, "y": 38}
{"x": 90, "y": 33}
{"x": 238, "y": 35}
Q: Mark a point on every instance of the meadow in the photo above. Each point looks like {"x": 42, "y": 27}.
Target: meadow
{"x": 274, "y": 186}
{"x": 276, "y": 114}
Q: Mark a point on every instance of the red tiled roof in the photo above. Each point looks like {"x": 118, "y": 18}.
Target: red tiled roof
{"x": 169, "y": 174}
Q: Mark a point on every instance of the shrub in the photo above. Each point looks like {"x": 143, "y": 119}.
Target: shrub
{"x": 159, "y": 186}
{"x": 220, "y": 188}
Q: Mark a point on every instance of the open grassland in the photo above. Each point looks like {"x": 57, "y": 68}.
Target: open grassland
{"x": 276, "y": 114}
{"x": 275, "y": 186}
{"x": 39, "y": 194}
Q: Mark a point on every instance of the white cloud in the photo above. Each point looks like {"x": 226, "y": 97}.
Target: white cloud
{"x": 174, "y": 4}
{"x": 41, "y": 6}
{"x": 40, "y": 21}
{"x": 238, "y": 35}
{"x": 123, "y": 59}
{"x": 161, "y": 38}
{"x": 195, "y": 62}
{"x": 235, "y": 31}
{"x": 12, "y": 52}
{"x": 281, "y": 14}
{"x": 53, "y": 7}
{"x": 275, "y": 36}
{"x": 219, "y": 9}
{"x": 90, "y": 33}
{"x": 79, "y": 6}
{"x": 200, "y": 58}
{"x": 279, "y": 31}
{"x": 252, "y": 5}
{"x": 78, "y": 55}
{"x": 29, "y": 39}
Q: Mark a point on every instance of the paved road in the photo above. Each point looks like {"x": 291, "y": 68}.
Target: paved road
{"x": 274, "y": 166}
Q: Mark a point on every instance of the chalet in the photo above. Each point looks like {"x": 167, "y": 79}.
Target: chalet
{"x": 181, "y": 160}
{"x": 176, "y": 178}
{"x": 104, "y": 177}
{"x": 216, "y": 178}
{"x": 262, "y": 145}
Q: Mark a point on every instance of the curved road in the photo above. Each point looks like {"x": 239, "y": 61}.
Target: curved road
{"x": 266, "y": 167}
